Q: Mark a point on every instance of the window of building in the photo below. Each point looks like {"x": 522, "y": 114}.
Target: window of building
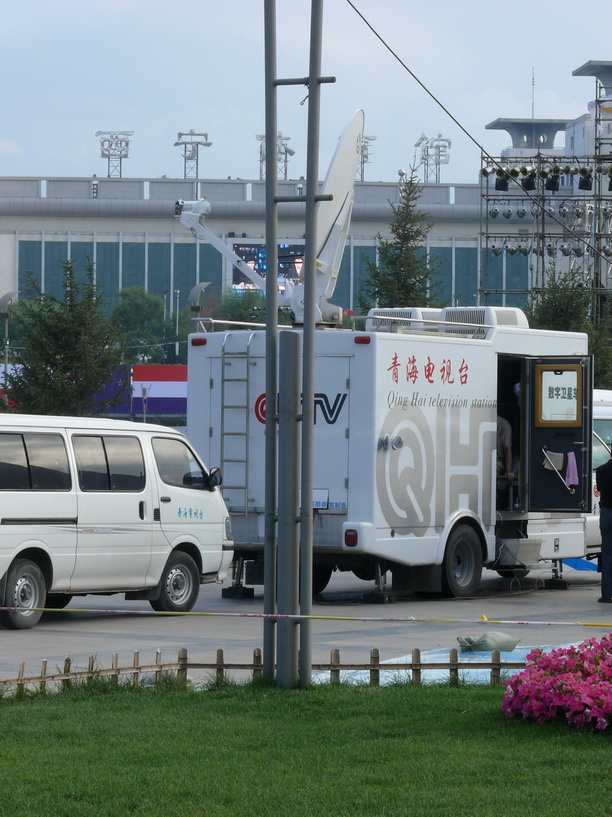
{"x": 133, "y": 264}
{"x": 56, "y": 252}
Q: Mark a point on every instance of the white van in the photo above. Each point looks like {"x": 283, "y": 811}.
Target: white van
{"x": 601, "y": 446}
{"x": 602, "y": 415}
{"x": 104, "y": 506}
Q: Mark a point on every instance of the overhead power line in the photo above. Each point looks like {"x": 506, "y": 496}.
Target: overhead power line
{"x": 485, "y": 153}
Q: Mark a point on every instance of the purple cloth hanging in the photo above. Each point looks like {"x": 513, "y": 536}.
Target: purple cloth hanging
{"x": 571, "y": 470}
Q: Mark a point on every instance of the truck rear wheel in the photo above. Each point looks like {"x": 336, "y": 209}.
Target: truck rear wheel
{"x": 321, "y": 574}
{"x": 366, "y": 572}
{"x": 462, "y": 566}
{"x": 25, "y": 591}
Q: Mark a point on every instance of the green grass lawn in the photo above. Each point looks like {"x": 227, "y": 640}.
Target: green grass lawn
{"x": 256, "y": 751}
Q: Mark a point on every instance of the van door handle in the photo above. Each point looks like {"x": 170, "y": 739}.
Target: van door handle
{"x": 141, "y": 510}
{"x": 165, "y": 499}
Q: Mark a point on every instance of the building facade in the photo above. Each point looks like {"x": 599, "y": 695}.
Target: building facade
{"x": 490, "y": 243}
{"x": 128, "y": 230}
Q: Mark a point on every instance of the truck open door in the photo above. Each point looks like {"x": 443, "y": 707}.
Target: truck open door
{"x": 558, "y": 426}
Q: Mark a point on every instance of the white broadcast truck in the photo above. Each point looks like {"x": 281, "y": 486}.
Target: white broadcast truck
{"x": 405, "y": 444}
{"x": 405, "y": 438}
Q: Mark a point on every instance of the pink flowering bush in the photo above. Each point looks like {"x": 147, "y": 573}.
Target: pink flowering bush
{"x": 573, "y": 684}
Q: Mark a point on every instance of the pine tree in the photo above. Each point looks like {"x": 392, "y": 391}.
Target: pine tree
{"x": 68, "y": 353}
{"x": 142, "y": 328}
{"x": 563, "y": 304}
{"x": 566, "y": 304}
{"x": 404, "y": 275}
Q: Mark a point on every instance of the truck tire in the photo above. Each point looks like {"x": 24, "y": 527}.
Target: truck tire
{"x": 180, "y": 585}
{"x": 321, "y": 574}
{"x": 462, "y": 566}
{"x": 25, "y": 590}
{"x": 366, "y": 572}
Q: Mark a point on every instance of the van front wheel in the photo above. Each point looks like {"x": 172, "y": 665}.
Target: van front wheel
{"x": 180, "y": 585}
{"x": 26, "y": 592}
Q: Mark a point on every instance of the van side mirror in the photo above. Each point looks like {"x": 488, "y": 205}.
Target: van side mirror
{"x": 214, "y": 478}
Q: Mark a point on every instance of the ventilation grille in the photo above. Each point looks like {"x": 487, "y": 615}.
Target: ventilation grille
{"x": 485, "y": 316}
{"x": 423, "y": 319}
{"x": 401, "y": 319}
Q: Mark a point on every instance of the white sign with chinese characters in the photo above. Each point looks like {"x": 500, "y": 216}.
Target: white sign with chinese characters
{"x": 559, "y": 396}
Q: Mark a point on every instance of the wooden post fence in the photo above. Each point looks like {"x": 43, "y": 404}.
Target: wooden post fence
{"x": 373, "y": 670}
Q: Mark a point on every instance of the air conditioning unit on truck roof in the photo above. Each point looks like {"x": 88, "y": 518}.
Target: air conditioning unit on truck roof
{"x": 406, "y": 319}
{"x": 485, "y": 315}
{"x": 401, "y": 319}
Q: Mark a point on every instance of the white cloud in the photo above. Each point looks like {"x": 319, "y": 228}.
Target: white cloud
{"x": 158, "y": 67}
{"x": 8, "y": 147}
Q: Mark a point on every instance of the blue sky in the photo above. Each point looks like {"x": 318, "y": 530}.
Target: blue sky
{"x": 70, "y": 68}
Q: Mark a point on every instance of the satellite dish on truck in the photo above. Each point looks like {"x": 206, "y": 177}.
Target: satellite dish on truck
{"x": 340, "y": 179}
{"x": 333, "y": 219}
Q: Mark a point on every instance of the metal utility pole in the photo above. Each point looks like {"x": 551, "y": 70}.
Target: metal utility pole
{"x": 288, "y": 508}
{"x": 308, "y": 357}
{"x": 286, "y": 642}
{"x": 269, "y": 651}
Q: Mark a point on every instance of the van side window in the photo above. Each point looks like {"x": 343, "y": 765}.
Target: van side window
{"x": 125, "y": 463}
{"x": 33, "y": 462}
{"x": 14, "y": 472}
{"x": 49, "y": 468}
{"x": 109, "y": 463}
{"x": 177, "y": 465}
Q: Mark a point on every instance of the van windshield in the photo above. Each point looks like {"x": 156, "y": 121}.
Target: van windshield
{"x": 177, "y": 465}
{"x": 603, "y": 428}
{"x": 601, "y": 451}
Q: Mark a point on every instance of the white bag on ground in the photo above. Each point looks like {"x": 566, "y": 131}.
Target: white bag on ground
{"x": 487, "y": 642}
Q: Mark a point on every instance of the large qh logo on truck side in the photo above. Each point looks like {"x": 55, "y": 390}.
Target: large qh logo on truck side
{"x": 328, "y": 410}
{"x": 430, "y": 463}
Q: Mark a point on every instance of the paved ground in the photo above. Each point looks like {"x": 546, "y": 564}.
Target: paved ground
{"x": 554, "y": 616}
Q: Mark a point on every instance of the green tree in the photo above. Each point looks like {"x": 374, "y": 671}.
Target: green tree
{"x": 403, "y": 276}
{"x": 600, "y": 348}
{"x": 143, "y": 331}
{"x": 68, "y": 358}
{"x": 249, "y": 306}
{"x": 565, "y": 304}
